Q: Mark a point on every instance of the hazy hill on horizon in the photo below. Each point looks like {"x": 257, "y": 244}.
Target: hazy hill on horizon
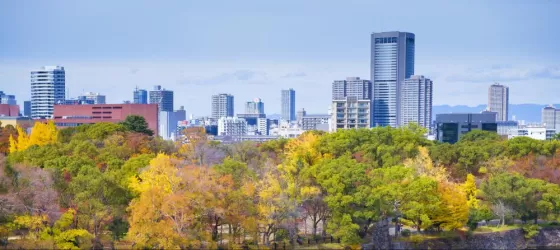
{"x": 529, "y": 112}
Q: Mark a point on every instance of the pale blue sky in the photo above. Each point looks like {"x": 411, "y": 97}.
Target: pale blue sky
{"x": 255, "y": 48}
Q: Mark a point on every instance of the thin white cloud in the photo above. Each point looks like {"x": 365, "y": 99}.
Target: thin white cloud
{"x": 507, "y": 73}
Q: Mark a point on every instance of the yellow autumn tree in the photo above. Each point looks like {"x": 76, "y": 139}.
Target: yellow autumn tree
{"x": 172, "y": 202}
{"x": 471, "y": 191}
{"x": 424, "y": 166}
{"x": 41, "y": 134}
{"x": 273, "y": 207}
{"x": 301, "y": 153}
{"x": 453, "y": 211}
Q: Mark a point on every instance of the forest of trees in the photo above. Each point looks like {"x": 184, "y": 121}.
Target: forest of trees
{"x": 100, "y": 184}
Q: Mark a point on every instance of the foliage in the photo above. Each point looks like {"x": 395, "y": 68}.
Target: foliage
{"x": 136, "y": 123}
{"x": 531, "y": 230}
{"x": 41, "y": 134}
{"x": 77, "y": 187}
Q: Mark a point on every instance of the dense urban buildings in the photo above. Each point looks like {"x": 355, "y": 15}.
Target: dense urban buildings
{"x": 498, "y": 101}
{"x": 392, "y": 61}
{"x": 74, "y": 115}
{"x": 451, "y": 127}
{"x": 288, "y": 105}
{"x": 222, "y": 106}
{"x": 95, "y": 97}
{"x": 254, "y": 107}
{"x": 48, "y": 86}
{"x": 162, "y": 97}
{"x": 351, "y": 104}
{"x": 232, "y": 126}
{"x": 416, "y": 101}
{"x": 140, "y": 96}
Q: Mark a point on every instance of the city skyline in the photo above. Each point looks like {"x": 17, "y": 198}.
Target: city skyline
{"x": 475, "y": 52}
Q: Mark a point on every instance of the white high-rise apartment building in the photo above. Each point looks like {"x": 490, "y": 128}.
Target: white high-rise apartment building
{"x": 48, "y": 86}
{"x": 416, "y": 101}
{"x": 351, "y": 104}
{"x": 222, "y": 106}
{"x": 498, "y": 101}
{"x": 232, "y": 126}
{"x": 392, "y": 61}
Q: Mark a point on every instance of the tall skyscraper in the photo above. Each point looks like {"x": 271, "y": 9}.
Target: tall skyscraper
{"x": 140, "y": 96}
{"x": 222, "y": 106}
{"x": 48, "y": 86}
{"x": 498, "y": 100}
{"x": 288, "y": 105}
{"x": 254, "y": 107}
{"x": 392, "y": 61}
{"x": 95, "y": 97}
{"x": 416, "y": 101}
{"x": 351, "y": 104}
{"x": 162, "y": 97}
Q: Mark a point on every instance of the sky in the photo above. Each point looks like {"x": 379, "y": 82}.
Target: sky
{"x": 255, "y": 48}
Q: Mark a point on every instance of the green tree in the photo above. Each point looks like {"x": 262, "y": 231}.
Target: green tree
{"x": 136, "y": 123}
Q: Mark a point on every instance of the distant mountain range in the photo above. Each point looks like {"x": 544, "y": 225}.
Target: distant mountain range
{"x": 528, "y": 112}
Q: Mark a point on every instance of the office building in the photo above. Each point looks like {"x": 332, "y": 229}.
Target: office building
{"x": 505, "y": 127}
{"x": 27, "y": 108}
{"x": 299, "y": 115}
{"x": 232, "y": 126}
{"x": 222, "y": 106}
{"x": 75, "y": 115}
{"x": 7, "y": 99}
{"x": 534, "y": 132}
{"x": 9, "y": 110}
{"x": 351, "y": 104}
{"x": 498, "y": 100}
{"x": 47, "y": 88}
{"x": 451, "y": 127}
{"x": 254, "y": 107}
{"x": 95, "y": 97}
{"x": 288, "y": 105}
{"x": 140, "y": 96}
{"x": 312, "y": 121}
{"x": 167, "y": 125}
{"x": 416, "y": 101}
{"x": 392, "y": 61}
{"x": 181, "y": 114}
{"x": 162, "y": 97}
{"x": 550, "y": 118}
{"x": 81, "y": 101}
{"x": 351, "y": 87}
